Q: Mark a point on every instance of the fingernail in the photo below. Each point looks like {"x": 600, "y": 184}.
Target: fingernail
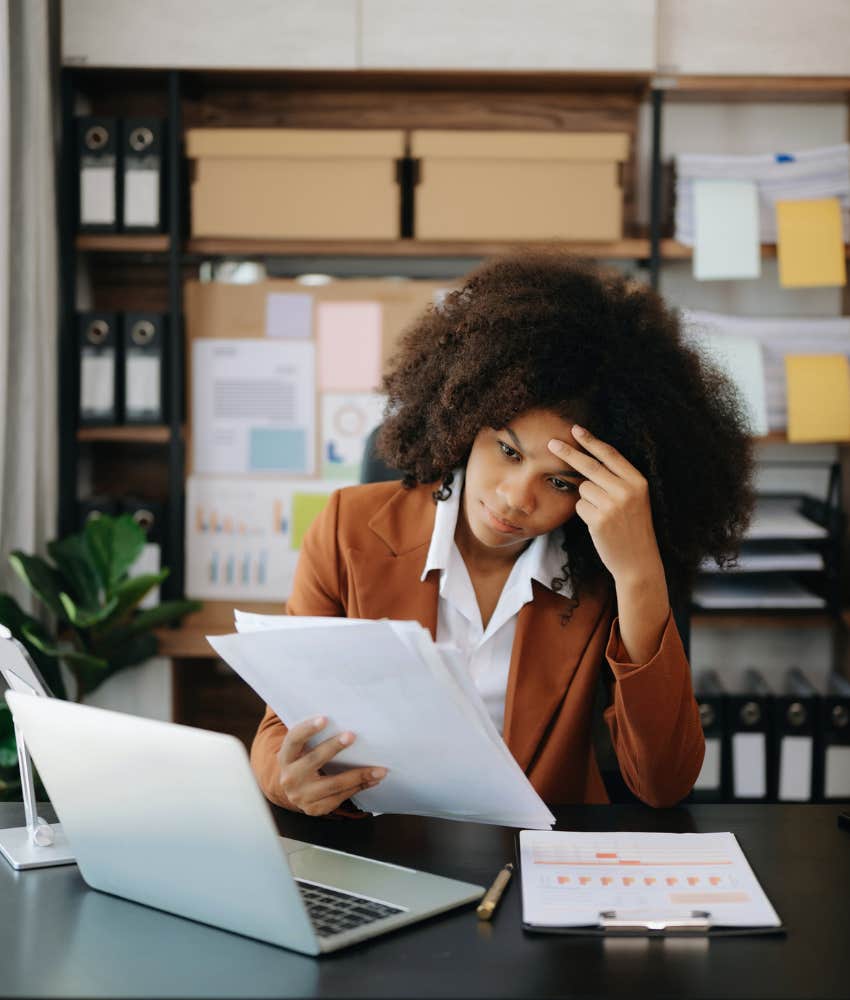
{"x": 346, "y": 738}
{"x": 578, "y": 431}
{"x": 555, "y": 444}
{"x": 379, "y": 772}
{"x": 319, "y": 721}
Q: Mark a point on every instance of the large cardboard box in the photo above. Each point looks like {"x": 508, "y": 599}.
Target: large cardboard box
{"x": 295, "y": 183}
{"x": 519, "y": 185}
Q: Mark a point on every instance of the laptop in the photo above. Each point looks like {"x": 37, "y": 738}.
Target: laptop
{"x": 172, "y": 817}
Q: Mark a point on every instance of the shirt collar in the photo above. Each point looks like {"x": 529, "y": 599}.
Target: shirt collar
{"x": 543, "y": 560}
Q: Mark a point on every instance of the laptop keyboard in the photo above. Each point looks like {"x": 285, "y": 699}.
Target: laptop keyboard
{"x": 333, "y": 912}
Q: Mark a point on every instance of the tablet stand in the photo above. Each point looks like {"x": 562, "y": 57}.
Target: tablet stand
{"x": 38, "y": 844}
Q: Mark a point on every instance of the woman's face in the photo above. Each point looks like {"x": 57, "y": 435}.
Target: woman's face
{"x": 515, "y": 488}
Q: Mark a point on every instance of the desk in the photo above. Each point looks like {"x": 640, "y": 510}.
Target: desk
{"x": 60, "y": 939}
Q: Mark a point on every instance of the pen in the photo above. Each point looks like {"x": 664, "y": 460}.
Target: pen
{"x": 492, "y": 896}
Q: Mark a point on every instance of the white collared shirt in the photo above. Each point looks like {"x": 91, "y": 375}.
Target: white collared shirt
{"x": 487, "y": 651}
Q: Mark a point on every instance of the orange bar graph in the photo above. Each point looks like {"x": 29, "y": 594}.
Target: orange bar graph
{"x": 628, "y": 881}
{"x": 599, "y": 854}
{"x": 693, "y": 880}
{"x": 606, "y": 880}
{"x": 584, "y": 879}
{"x": 715, "y": 880}
{"x": 671, "y": 881}
{"x": 649, "y": 881}
{"x": 563, "y": 879}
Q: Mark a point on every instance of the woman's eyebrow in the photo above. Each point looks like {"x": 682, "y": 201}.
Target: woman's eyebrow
{"x": 571, "y": 473}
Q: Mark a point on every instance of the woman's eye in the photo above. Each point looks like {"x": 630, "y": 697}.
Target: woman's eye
{"x": 562, "y": 486}
{"x": 508, "y": 451}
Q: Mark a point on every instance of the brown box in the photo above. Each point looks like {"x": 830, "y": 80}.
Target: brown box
{"x": 519, "y": 185}
{"x": 295, "y": 183}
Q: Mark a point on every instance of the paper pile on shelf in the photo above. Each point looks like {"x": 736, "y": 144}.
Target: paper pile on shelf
{"x": 771, "y": 557}
{"x": 795, "y": 176}
{"x": 411, "y": 703}
{"x": 778, "y": 338}
{"x": 775, "y": 592}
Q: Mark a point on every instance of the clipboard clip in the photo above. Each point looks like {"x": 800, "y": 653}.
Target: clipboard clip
{"x": 639, "y": 922}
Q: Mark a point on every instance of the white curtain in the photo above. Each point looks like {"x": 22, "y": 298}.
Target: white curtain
{"x": 28, "y": 283}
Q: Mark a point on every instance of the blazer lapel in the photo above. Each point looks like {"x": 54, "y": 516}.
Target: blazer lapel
{"x": 389, "y": 586}
{"x": 545, "y": 656}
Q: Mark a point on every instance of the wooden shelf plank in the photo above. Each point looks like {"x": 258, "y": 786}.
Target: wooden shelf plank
{"x": 801, "y": 89}
{"x": 122, "y": 242}
{"x": 221, "y": 246}
{"x": 128, "y": 434}
{"x": 188, "y": 642}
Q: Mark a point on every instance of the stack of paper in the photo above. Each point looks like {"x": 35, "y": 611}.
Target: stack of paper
{"x": 771, "y": 557}
{"x": 775, "y": 592}
{"x": 795, "y": 176}
{"x": 778, "y": 338}
{"x": 410, "y": 702}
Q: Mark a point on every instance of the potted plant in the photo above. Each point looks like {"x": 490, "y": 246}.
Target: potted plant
{"x": 93, "y": 604}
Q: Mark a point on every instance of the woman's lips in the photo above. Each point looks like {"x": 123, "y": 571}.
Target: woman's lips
{"x": 498, "y": 524}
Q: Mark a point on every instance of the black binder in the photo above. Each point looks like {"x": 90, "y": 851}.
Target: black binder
{"x": 148, "y": 514}
{"x": 99, "y": 370}
{"x": 713, "y": 782}
{"x": 142, "y": 175}
{"x": 144, "y": 391}
{"x": 98, "y": 174}
{"x": 833, "y": 769}
{"x": 92, "y": 507}
{"x": 794, "y": 724}
{"x": 748, "y": 727}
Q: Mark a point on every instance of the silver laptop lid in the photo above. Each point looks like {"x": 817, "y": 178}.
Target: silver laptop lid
{"x": 166, "y": 815}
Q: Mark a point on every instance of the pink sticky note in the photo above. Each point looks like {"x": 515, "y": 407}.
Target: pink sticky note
{"x": 349, "y": 342}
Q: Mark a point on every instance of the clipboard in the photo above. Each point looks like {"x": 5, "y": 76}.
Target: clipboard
{"x": 662, "y": 921}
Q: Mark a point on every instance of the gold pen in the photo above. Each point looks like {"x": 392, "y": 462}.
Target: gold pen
{"x": 492, "y": 896}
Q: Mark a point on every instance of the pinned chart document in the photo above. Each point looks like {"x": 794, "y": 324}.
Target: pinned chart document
{"x": 350, "y": 347}
{"x": 810, "y": 243}
{"x": 818, "y": 397}
{"x": 347, "y": 421}
{"x": 726, "y": 230}
{"x": 569, "y": 880}
{"x": 253, "y": 406}
{"x": 412, "y": 704}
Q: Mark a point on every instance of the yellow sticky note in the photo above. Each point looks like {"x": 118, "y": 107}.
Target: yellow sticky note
{"x": 810, "y": 243}
{"x": 818, "y": 397}
{"x": 305, "y": 508}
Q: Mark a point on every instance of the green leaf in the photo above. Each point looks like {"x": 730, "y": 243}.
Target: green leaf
{"x": 130, "y": 592}
{"x": 7, "y": 725}
{"x": 114, "y": 544}
{"x": 85, "y": 618}
{"x": 90, "y": 671}
{"x": 74, "y": 560}
{"x": 163, "y": 614}
{"x": 41, "y": 578}
{"x": 8, "y": 755}
{"x": 34, "y": 636}
{"x": 135, "y": 650}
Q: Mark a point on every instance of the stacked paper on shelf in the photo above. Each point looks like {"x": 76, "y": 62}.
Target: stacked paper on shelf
{"x": 779, "y": 517}
{"x": 716, "y": 593}
{"x": 778, "y": 337}
{"x": 771, "y": 557}
{"x": 411, "y": 703}
{"x": 794, "y": 176}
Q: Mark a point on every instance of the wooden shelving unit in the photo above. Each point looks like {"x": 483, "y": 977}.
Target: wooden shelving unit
{"x": 127, "y": 434}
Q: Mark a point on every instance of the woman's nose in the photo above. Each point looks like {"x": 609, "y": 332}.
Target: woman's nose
{"x": 517, "y": 495}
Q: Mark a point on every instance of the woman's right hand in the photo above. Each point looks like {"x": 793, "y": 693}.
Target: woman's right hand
{"x": 301, "y": 780}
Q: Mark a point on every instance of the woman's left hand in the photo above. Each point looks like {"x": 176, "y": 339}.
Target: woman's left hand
{"x": 614, "y": 504}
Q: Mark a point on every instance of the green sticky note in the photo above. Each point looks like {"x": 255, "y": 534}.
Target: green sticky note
{"x": 305, "y": 509}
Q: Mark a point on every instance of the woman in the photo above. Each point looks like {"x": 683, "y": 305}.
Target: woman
{"x": 569, "y": 462}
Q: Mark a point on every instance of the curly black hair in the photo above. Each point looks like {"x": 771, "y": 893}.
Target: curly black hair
{"x": 542, "y": 329}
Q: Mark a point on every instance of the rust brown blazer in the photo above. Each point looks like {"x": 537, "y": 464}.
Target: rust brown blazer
{"x": 363, "y": 558}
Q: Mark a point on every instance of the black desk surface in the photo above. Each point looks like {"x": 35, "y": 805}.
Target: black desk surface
{"x": 58, "y": 938}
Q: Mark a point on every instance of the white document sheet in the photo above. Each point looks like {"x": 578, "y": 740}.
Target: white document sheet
{"x": 411, "y": 712}
{"x": 569, "y": 878}
{"x": 253, "y": 406}
{"x": 726, "y": 229}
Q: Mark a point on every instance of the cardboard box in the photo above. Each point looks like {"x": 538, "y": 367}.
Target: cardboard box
{"x": 519, "y": 185}
{"x": 295, "y": 183}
